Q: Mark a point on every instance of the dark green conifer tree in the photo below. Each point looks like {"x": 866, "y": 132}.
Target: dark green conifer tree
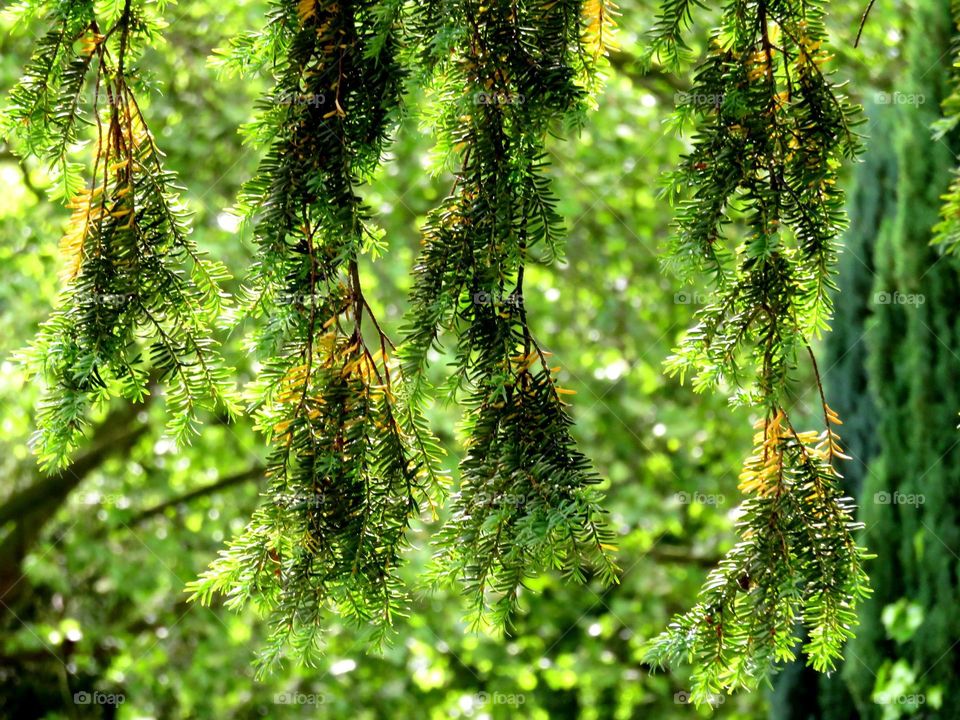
{"x": 907, "y": 642}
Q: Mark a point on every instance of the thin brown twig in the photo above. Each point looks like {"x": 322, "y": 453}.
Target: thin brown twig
{"x": 823, "y": 401}
{"x": 863, "y": 21}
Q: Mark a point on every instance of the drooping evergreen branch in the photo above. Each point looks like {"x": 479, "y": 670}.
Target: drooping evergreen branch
{"x": 132, "y": 275}
{"x": 351, "y": 460}
{"x": 796, "y": 562}
{"x": 770, "y": 133}
{"x": 502, "y": 74}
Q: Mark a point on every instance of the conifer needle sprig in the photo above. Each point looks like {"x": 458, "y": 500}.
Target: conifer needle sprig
{"x": 138, "y": 295}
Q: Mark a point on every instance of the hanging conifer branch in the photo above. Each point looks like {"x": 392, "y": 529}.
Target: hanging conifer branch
{"x": 796, "y": 561}
{"x": 351, "y": 460}
{"x": 771, "y": 131}
{"x": 526, "y": 501}
{"x": 131, "y": 273}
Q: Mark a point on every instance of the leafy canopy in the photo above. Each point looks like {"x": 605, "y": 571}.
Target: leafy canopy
{"x": 352, "y": 463}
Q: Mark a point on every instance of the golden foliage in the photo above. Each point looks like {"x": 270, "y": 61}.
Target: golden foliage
{"x": 87, "y": 209}
{"x": 306, "y": 9}
{"x": 90, "y": 42}
{"x": 828, "y": 445}
{"x": 810, "y": 50}
{"x": 599, "y": 26}
{"x": 763, "y": 471}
